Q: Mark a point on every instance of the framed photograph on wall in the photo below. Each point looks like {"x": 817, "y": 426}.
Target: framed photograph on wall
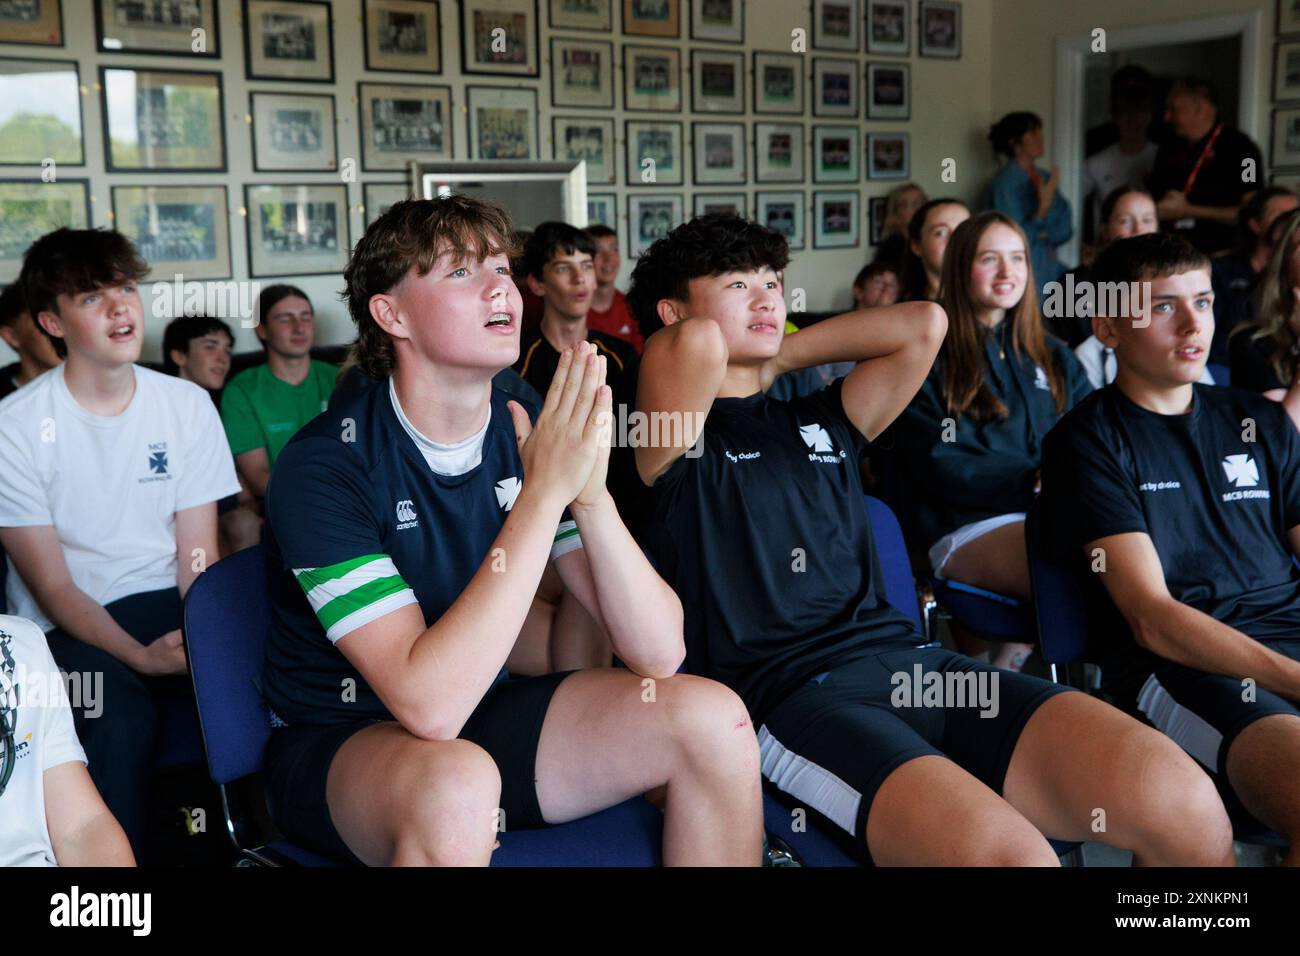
{"x": 293, "y": 132}
{"x": 1286, "y": 71}
{"x": 163, "y": 121}
{"x": 589, "y": 138}
{"x": 178, "y": 230}
{"x": 651, "y": 217}
{"x": 403, "y": 36}
{"x": 889, "y": 91}
{"x": 652, "y": 79}
{"x": 778, "y": 83}
{"x": 31, "y": 208}
{"x": 887, "y": 156}
{"x": 1286, "y": 137}
{"x": 1288, "y": 17}
{"x": 876, "y": 210}
{"x": 499, "y": 37}
{"x": 401, "y": 122}
{"x": 778, "y": 152}
{"x": 731, "y": 204}
{"x": 289, "y": 40}
{"x": 594, "y": 15}
{"x": 835, "y": 220}
{"x": 297, "y": 230}
{"x": 602, "y": 208}
{"x": 35, "y": 22}
{"x": 502, "y": 122}
{"x": 719, "y": 151}
{"x": 42, "y": 113}
{"x": 835, "y": 25}
{"x": 652, "y": 18}
{"x": 718, "y": 20}
{"x": 835, "y": 87}
{"x": 887, "y": 26}
{"x": 582, "y": 73}
{"x": 835, "y": 154}
{"x": 654, "y": 150}
{"x": 717, "y": 81}
{"x": 163, "y": 28}
{"x": 940, "y": 29}
{"x": 783, "y": 212}
{"x": 379, "y": 197}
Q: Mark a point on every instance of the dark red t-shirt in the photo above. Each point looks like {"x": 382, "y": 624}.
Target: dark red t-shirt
{"x": 617, "y": 321}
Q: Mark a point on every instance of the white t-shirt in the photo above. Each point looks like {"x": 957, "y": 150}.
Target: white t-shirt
{"x": 109, "y": 485}
{"x": 1111, "y": 168}
{"x": 451, "y": 459}
{"x": 43, "y": 739}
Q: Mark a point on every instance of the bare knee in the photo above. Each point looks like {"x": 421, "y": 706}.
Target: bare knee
{"x": 1003, "y": 842}
{"x": 1178, "y": 816}
{"x": 450, "y": 803}
{"x": 709, "y": 724}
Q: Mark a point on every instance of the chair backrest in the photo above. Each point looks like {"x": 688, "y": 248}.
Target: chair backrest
{"x": 226, "y": 620}
{"x": 900, "y": 589}
{"x": 1059, "y": 605}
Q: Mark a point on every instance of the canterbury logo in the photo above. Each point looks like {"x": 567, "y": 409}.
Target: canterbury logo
{"x": 1241, "y": 471}
{"x": 405, "y": 511}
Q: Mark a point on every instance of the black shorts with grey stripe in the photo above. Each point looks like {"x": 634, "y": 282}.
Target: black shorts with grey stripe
{"x": 831, "y": 744}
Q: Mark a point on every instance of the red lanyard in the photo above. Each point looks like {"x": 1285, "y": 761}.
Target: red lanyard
{"x": 1206, "y": 153}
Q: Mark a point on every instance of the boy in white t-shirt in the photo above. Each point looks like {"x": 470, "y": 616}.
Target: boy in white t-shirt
{"x": 108, "y": 501}
{"x": 53, "y": 815}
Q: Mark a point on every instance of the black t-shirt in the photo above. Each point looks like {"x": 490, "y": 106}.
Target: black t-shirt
{"x": 1233, "y": 282}
{"x": 1252, "y": 362}
{"x": 7, "y": 376}
{"x": 765, "y": 536}
{"x": 1218, "y": 183}
{"x": 1217, "y": 507}
{"x": 538, "y": 361}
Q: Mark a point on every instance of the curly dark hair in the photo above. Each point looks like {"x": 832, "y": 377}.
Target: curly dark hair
{"x": 414, "y": 234}
{"x": 706, "y": 246}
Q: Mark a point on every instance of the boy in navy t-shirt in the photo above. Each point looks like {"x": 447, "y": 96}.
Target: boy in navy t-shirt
{"x": 926, "y": 756}
{"x": 409, "y": 527}
{"x": 1185, "y": 499}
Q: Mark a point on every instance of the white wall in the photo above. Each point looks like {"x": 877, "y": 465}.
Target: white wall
{"x": 950, "y": 114}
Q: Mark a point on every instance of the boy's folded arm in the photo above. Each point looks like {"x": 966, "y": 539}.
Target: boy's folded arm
{"x": 1134, "y": 579}
{"x": 681, "y": 372}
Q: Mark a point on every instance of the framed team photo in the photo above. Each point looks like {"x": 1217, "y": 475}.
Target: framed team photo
{"x": 654, "y": 153}
{"x": 582, "y": 73}
{"x": 783, "y": 212}
{"x": 378, "y": 198}
{"x": 778, "y": 152}
{"x": 1288, "y": 17}
{"x": 835, "y": 154}
{"x": 728, "y": 204}
{"x": 163, "y": 27}
{"x": 650, "y": 218}
{"x": 403, "y": 36}
{"x": 589, "y": 138}
{"x": 652, "y": 79}
{"x": 499, "y": 37}
{"x": 602, "y": 208}
{"x": 717, "y": 81}
{"x": 877, "y": 206}
{"x": 40, "y": 111}
{"x": 778, "y": 83}
{"x": 889, "y": 91}
{"x": 31, "y": 208}
{"x": 595, "y": 15}
{"x": 1286, "y": 71}
{"x": 652, "y": 18}
{"x": 34, "y": 22}
{"x": 178, "y": 230}
{"x": 163, "y": 121}
{"x": 887, "y": 26}
{"x": 1286, "y": 137}
{"x": 502, "y": 122}
{"x": 297, "y": 230}
{"x": 289, "y": 40}
{"x": 718, "y": 20}
{"x": 940, "y": 29}
{"x": 719, "y": 150}
{"x": 293, "y": 132}
{"x": 835, "y": 87}
{"x": 835, "y": 220}
{"x": 401, "y": 122}
{"x": 887, "y": 156}
{"x": 835, "y": 24}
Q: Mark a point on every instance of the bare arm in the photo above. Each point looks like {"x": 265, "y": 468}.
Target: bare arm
{"x": 254, "y": 468}
{"x": 895, "y": 347}
{"x": 82, "y": 830}
{"x": 1171, "y": 629}
{"x": 196, "y": 543}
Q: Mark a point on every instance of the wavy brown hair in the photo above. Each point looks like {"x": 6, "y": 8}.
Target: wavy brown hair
{"x": 961, "y": 357}
{"x": 1276, "y": 299}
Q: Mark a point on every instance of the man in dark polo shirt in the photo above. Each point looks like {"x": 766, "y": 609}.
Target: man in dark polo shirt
{"x": 1200, "y": 179}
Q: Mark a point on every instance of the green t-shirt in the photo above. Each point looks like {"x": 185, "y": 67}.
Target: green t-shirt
{"x": 261, "y": 411}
